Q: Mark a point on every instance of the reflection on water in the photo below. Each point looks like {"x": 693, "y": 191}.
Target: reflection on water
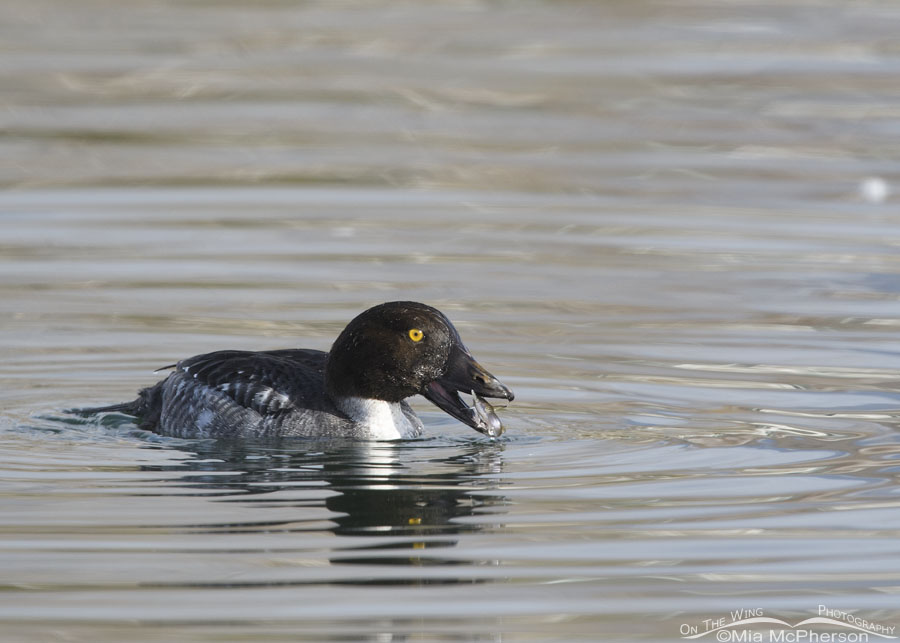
{"x": 375, "y": 493}
{"x": 369, "y": 491}
{"x": 509, "y": 533}
{"x": 670, "y": 227}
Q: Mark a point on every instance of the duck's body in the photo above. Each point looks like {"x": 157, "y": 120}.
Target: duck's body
{"x": 357, "y": 390}
{"x": 234, "y": 394}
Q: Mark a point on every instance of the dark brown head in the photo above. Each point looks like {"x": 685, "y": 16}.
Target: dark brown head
{"x": 403, "y": 348}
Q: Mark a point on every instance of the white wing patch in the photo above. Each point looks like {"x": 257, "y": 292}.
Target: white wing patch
{"x": 270, "y": 398}
{"x": 205, "y": 418}
{"x": 259, "y": 397}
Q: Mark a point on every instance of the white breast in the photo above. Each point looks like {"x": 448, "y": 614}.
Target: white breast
{"x": 382, "y": 420}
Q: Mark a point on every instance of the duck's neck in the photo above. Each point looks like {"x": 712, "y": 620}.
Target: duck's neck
{"x": 355, "y": 368}
{"x": 381, "y": 420}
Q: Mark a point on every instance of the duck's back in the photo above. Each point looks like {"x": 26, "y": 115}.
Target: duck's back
{"x": 244, "y": 394}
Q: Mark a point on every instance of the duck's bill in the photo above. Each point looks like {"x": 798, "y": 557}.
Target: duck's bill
{"x": 465, "y": 375}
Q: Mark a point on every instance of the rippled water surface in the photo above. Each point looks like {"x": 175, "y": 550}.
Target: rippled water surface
{"x": 669, "y": 227}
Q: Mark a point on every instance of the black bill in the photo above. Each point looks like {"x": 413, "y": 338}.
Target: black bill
{"x": 465, "y": 375}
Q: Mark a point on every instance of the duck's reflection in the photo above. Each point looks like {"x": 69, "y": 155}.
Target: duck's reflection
{"x": 418, "y": 494}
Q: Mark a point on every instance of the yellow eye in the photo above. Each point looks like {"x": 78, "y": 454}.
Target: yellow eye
{"x": 416, "y": 335}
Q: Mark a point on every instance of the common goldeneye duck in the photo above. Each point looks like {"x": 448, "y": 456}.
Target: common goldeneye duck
{"x": 357, "y": 390}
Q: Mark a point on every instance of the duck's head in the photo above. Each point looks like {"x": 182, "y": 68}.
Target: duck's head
{"x": 402, "y": 348}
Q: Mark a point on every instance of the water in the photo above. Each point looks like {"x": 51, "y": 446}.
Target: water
{"x": 668, "y": 227}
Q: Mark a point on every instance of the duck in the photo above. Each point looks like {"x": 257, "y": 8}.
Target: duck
{"x": 357, "y": 390}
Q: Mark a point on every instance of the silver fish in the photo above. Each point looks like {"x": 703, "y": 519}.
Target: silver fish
{"x": 487, "y": 420}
